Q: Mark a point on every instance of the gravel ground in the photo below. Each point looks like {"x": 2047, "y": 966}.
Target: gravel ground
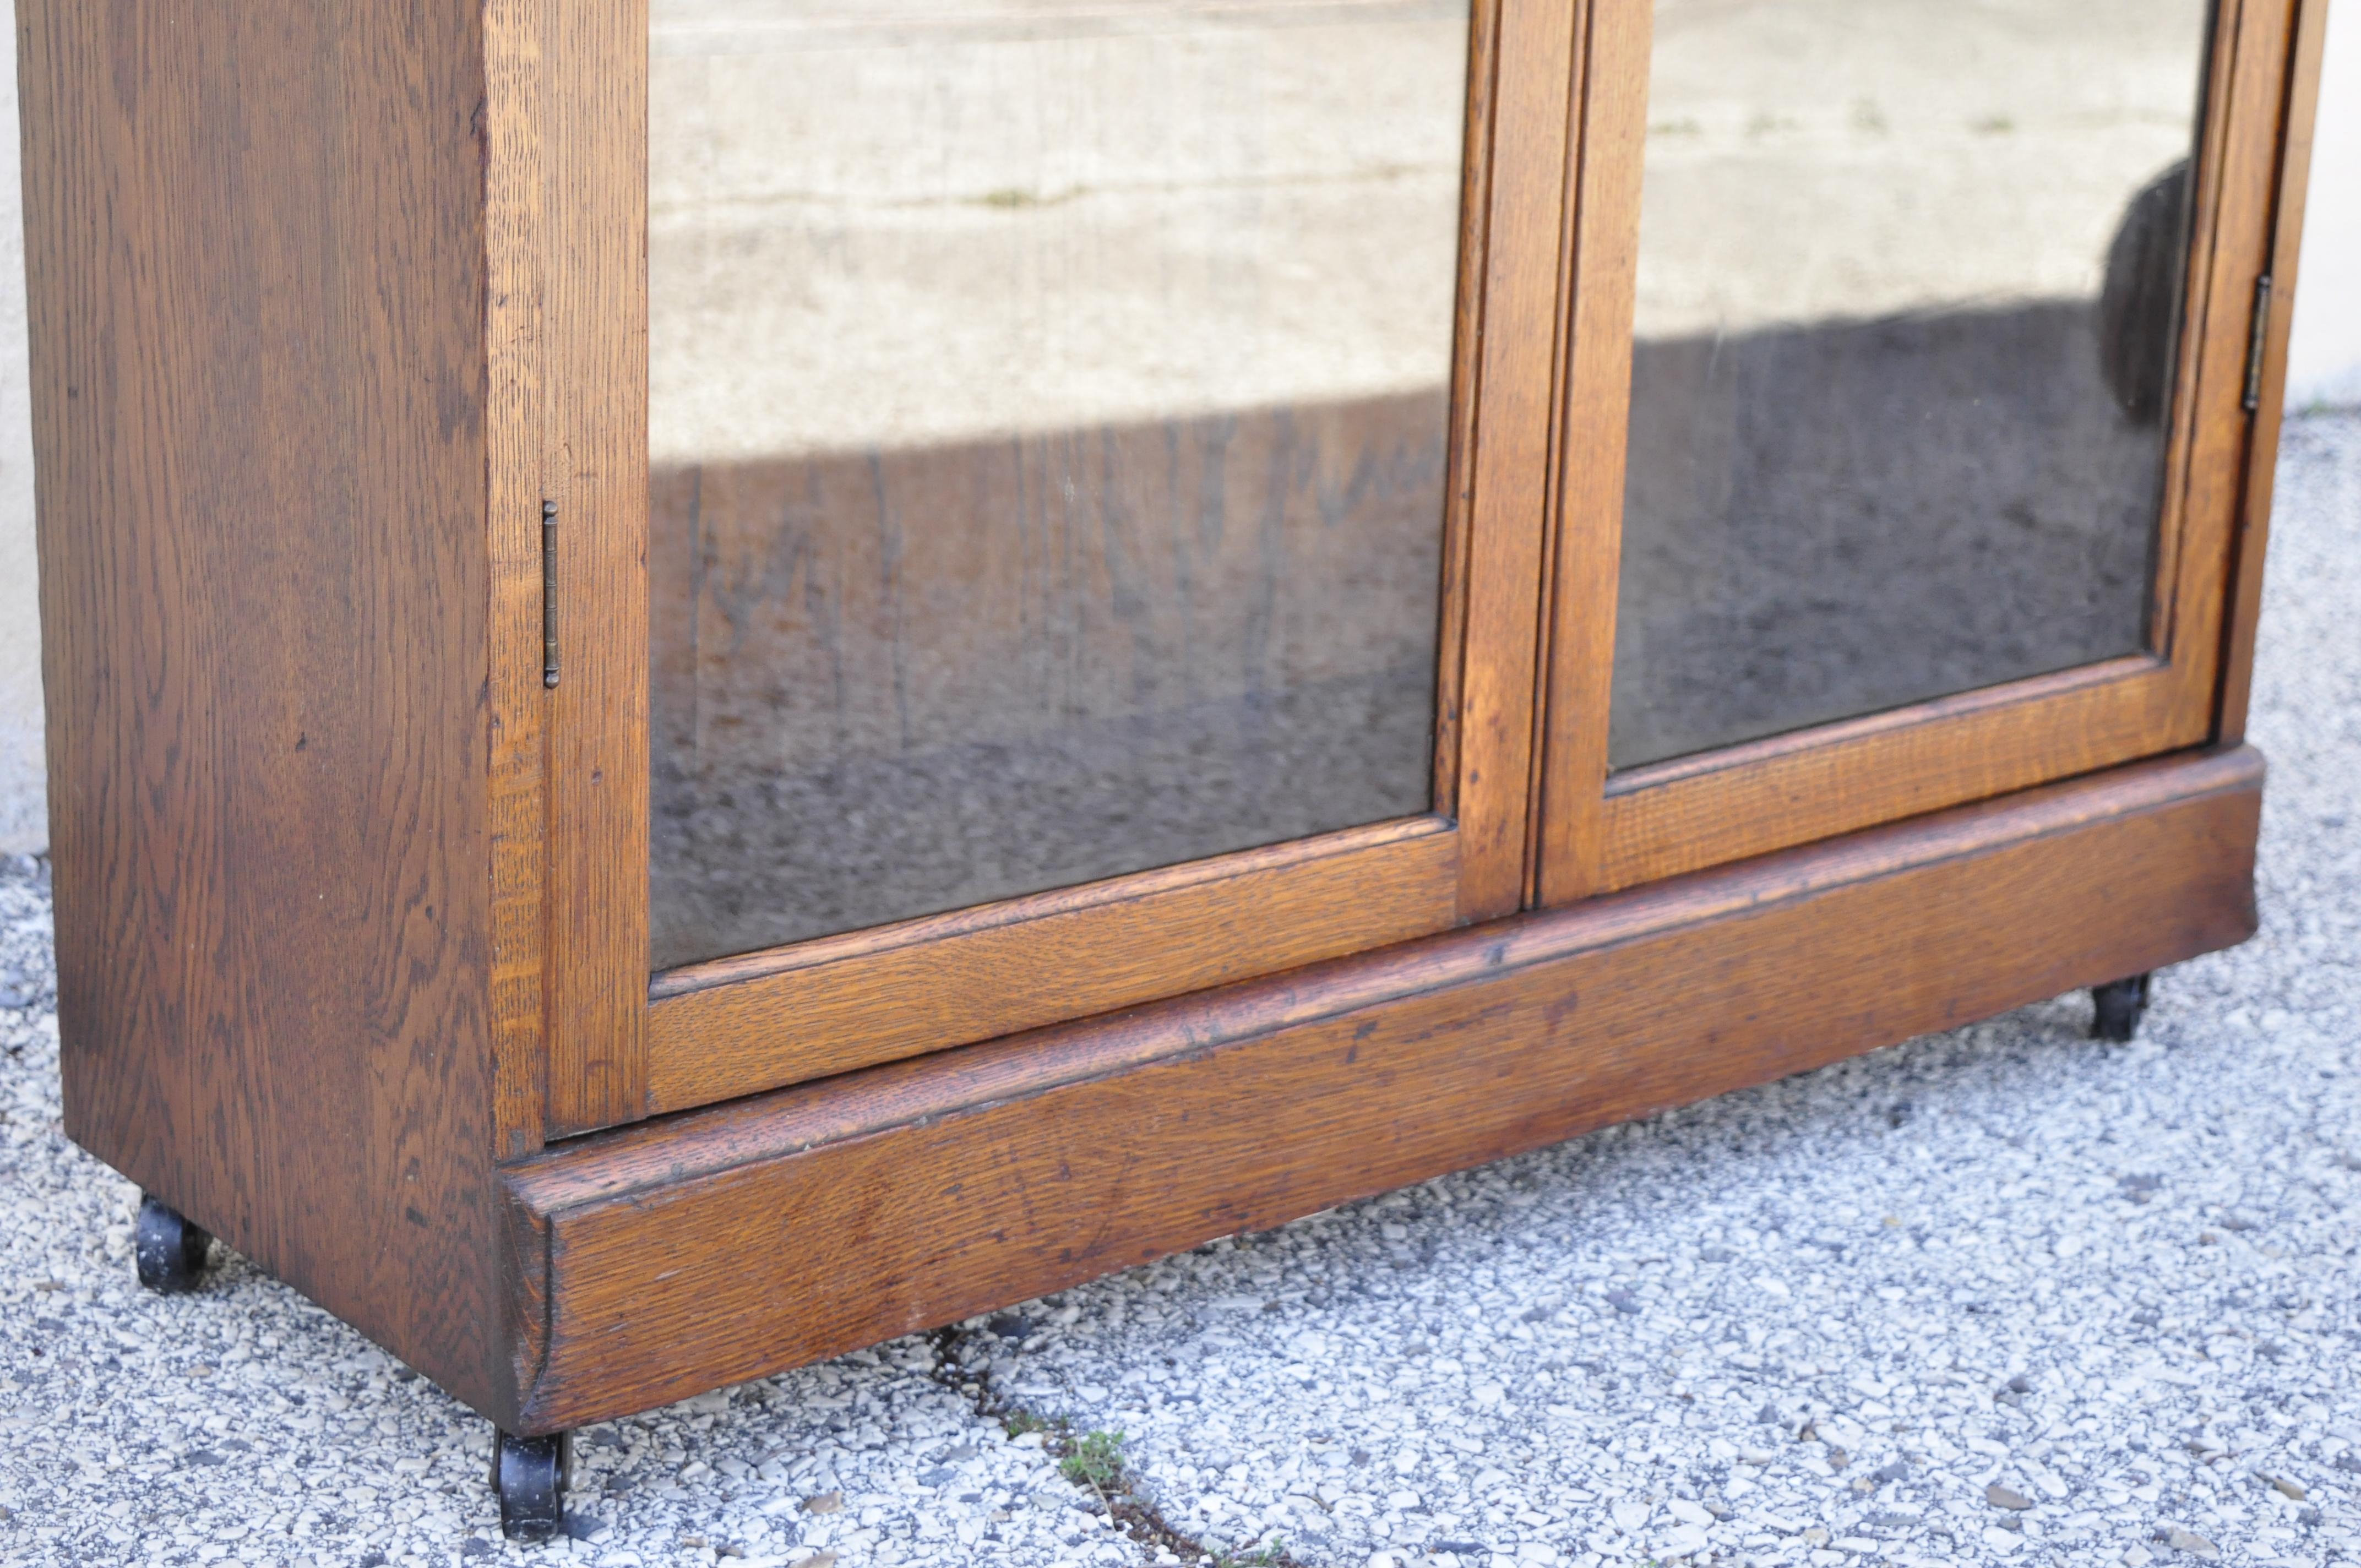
{"x": 2000, "y": 1295}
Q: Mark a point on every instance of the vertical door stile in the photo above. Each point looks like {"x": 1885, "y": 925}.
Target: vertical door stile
{"x": 2244, "y": 598}
{"x": 2246, "y": 107}
{"x": 1613, "y": 109}
{"x": 1522, "y": 295}
{"x": 2180, "y": 529}
{"x": 513, "y": 419}
{"x": 594, "y": 158}
{"x": 1466, "y": 364}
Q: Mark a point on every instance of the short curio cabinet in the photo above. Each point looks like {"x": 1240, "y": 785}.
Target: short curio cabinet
{"x": 728, "y": 677}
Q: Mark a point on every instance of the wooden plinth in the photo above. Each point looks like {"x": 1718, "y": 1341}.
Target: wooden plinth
{"x": 708, "y": 1247}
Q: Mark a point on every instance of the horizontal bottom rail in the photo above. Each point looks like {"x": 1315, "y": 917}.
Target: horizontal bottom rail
{"x": 711, "y": 1246}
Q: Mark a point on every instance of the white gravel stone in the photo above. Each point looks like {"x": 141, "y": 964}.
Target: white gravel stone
{"x": 1812, "y": 1322}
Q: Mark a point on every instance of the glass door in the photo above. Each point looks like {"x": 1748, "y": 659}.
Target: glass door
{"x": 1048, "y": 423}
{"x": 1090, "y": 552}
{"x": 1910, "y": 416}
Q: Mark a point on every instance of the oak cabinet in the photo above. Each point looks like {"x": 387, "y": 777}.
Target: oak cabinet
{"x": 729, "y": 677}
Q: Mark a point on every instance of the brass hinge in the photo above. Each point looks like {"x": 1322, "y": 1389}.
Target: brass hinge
{"x": 2257, "y": 334}
{"x": 549, "y": 593}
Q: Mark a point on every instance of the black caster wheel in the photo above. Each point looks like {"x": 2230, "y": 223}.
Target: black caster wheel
{"x": 2116, "y": 1007}
{"x": 530, "y": 1473}
{"x": 171, "y": 1251}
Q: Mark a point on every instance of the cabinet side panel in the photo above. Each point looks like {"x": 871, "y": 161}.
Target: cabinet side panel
{"x": 256, "y": 264}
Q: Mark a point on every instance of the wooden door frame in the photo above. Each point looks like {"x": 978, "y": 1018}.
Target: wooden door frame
{"x": 607, "y": 1042}
{"x": 566, "y": 324}
{"x": 1596, "y": 833}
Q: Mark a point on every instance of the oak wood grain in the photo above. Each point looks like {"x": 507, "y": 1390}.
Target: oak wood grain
{"x": 734, "y": 1027}
{"x": 256, "y": 267}
{"x": 514, "y": 422}
{"x": 325, "y": 300}
{"x": 1508, "y": 463}
{"x": 1467, "y": 337}
{"x": 2239, "y": 195}
{"x": 595, "y": 467}
{"x": 1790, "y": 789}
{"x": 922, "y": 1192}
{"x": 1569, "y": 809}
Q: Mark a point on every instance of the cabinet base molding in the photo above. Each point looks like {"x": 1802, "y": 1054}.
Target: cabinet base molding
{"x": 708, "y": 1247}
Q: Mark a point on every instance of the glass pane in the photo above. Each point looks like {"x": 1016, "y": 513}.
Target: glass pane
{"x": 1047, "y": 426}
{"x": 1909, "y": 280}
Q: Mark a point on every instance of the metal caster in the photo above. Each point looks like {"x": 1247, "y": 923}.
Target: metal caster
{"x": 530, "y": 1473}
{"x": 171, "y": 1251}
{"x": 2116, "y": 1007}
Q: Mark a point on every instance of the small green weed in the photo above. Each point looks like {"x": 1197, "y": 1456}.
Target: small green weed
{"x": 1096, "y": 1462}
{"x": 1016, "y": 1423}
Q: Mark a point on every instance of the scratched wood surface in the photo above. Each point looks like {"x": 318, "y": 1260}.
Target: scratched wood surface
{"x": 932, "y": 1189}
{"x": 256, "y": 280}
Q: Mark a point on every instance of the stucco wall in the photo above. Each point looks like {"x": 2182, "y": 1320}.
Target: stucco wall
{"x": 2326, "y": 367}
{"x": 2324, "y": 359}
{"x": 23, "y": 816}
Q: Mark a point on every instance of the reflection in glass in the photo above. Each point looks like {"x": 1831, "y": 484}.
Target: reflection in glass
{"x": 1908, "y": 285}
{"x": 1047, "y": 428}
